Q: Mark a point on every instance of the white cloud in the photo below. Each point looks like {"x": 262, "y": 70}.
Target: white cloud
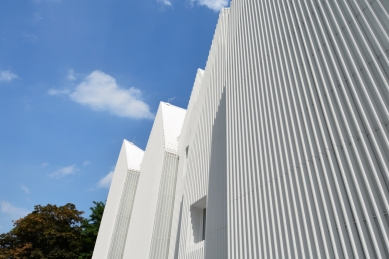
{"x": 105, "y": 182}
{"x": 7, "y": 76}
{"x": 86, "y": 162}
{"x": 214, "y": 5}
{"x": 165, "y": 2}
{"x": 30, "y": 37}
{"x": 25, "y": 189}
{"x": 40, "y": 1}
{"x": 64, "y": 171}
{"x": 9, "y": 209}
{"x": 44, "y": 164}
{"x": 37, "y": 17}
{"x": 71, "y": 75}
{"x": 53, "y": 91}
{"x": 101, "y": 92}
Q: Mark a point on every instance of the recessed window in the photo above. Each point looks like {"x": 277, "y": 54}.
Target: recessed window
{"x": 204, "y": 223}
{"x": 198, "y": 212}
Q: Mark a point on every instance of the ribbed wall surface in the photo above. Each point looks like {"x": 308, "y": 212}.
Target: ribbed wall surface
{"x": 216, "y": 223}
{"x": 307, "y": 129}
{"x": 123, "y": 217}
{"x": 151, "y": 223}
{"x": 142, "y": 223}
{"x": 183, "y": 151}
{"x": 118, "y": 208}
{"x": 164, "y": 213}
{"x": 197, "y": 136}
{"x": 285, "y": 141}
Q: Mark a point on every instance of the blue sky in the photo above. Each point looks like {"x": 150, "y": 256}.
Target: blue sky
{"x": 79, "y": 76}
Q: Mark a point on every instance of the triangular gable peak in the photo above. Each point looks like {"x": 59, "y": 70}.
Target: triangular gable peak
{"x": 134, "y": 155}
{"x": 172, "y": 120}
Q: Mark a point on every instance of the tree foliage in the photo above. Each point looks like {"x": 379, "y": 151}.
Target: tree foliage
{"x": 52, "y": 232}
{"x": 48, "y": 232}
{"x": 90, "y": 229}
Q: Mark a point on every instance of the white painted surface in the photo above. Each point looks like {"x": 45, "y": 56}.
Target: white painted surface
{"x": 129, "y": 161}
{"x": 149, "y": 231}
{"x": 307, "y": 141}
{"x": 287, "y": 129}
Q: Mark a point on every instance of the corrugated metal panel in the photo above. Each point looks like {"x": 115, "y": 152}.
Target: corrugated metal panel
{"x": 197, "y": 136}
{"x": 117, "y": 213}
{"x": 307, "y": 109}
{"x": 123, "y": 217}
{"x": 150, "y": 226}
{"x": 164, "y": 213}
{"x": 286, "y": 138}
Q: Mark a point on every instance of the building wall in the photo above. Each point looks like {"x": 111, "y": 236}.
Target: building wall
{"x": 198, "y": 138}
{"x": 141, "y": 226}
{"x": 123, "y": 218}
{"x": 150, "y": 226}
{"x": 164, "y": 213}
{"x": 118, "y": 208}
{"x": 183, "y": 144}
{"x": 307, "y": 129}
{"x": 285, "y": 141}
{"x": 216, "y": 216}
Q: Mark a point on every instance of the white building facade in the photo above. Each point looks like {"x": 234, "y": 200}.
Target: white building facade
{"x": 283, "y": 151}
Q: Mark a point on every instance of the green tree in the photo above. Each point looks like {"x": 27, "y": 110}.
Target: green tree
{"x": 49, "y": 232}
{"x": 90, "y": 229}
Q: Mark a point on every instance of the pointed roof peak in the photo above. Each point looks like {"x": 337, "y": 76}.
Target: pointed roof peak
{"x": 172, "y": 120}
{"x": 134, "y": 155}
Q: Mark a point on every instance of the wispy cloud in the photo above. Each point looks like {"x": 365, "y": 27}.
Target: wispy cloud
{"x": 100, "y": 92}
{"x": 71, "y": 75}
{"x": 86, "y": 162}
{"x": 214, "y": 5}
{"x": 41, "y": 1}
{"x": 30, "y": 37}
{"x": 25, "y": 189}
{"x": 37, "y": 17}
{"x": 64, "y": 171}
{"x": 44, "y": 164}
{"x": 7, "y": 76}
{"x": 105, "y": 182}
{"x": 11, "y": 210}
{"x": 54, "y": 91}
{"x": 165, "y": 2}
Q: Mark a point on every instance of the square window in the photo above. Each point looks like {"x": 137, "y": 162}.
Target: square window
{"x": 198, "y": 212}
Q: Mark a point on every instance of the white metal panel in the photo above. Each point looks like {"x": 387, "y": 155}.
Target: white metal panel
{"x": 150, "y": 226}
{"x": 198, "y": 138}
{"x": 115, "y": 214}
{"x": 173, "y": 118}
{"x": 286, "y": 137}
{"x": 307, "y": 109}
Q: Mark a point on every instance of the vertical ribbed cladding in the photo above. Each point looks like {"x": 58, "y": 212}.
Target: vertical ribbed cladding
{"x": 216, "y": 242}
{"x": 198, "y": 138}
{"x": 183, "y": 144}
{"x": 123, "y": 217}
{"x": 307, "y": 129}
{"x": 164, "y": 213}
{"x": 151, "y": 223}
{"x": 118, "y": 208}
{"x": 216, "y": 216}
{"x": 141, "y": 226}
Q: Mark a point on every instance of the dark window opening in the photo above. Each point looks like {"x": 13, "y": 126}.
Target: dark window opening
{"x": 204, "y": 222}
